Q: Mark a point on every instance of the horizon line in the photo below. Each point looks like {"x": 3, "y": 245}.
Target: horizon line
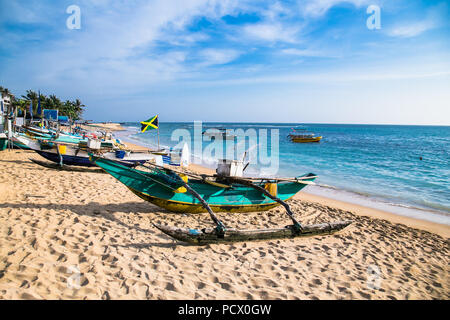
{"x": 296, "y": 123}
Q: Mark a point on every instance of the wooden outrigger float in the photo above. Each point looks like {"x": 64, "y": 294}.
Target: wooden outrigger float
{"x": 221, "y": 234}
{"x": 174, "y": 182}
{"x": 210, "y": 235}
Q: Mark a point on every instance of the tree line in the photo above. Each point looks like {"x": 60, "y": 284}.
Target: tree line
{"x": 73, "y": 109}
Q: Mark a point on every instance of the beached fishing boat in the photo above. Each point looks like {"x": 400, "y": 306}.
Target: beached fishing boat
{"x": 191, "y": 193}
{"x": 23, "y": 143}
{"x": 52, "y": 133}
{"x": 219, "y": 133}
{"x": 70, "y": 154}
{"x": 3, "y": 141}
{"x": 157, "y": 187}
{"x": 302, "y": 136}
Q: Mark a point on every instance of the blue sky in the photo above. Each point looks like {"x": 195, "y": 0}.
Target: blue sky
{"x": 256, "y": 61}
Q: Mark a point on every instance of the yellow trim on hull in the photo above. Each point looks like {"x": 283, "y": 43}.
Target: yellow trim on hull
{"x": 184, "y": 207}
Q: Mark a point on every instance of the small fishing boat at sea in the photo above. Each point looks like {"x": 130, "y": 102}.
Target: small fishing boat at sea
{"x": 223, "y": 133}
{"x": 185, "y": 192}
{"x": 303, "y": 136}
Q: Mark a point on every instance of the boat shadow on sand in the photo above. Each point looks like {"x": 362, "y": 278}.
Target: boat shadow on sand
{"x": 106, "y": 211}
{"x": 56, "y": 166}
{"x": 53, "y": 166}
{"x": 16, "y": 162}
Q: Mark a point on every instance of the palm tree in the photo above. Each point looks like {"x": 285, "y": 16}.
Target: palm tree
{"x": 78, "y": 109}
{"x": 32, "y": 96}
{"x": 67, "y": 109}
{"x": 53, "y": 102}
{"x": 20, "y": 104}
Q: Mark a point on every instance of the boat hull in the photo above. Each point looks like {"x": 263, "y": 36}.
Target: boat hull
{"x": 80, "y": 161}
{"x": 185, "y": 207}
{"x": 18, "y": 145}
{"x": 305, "y": 140}
{"x": 67, "y": 159}
{"x": 3, "y": 143}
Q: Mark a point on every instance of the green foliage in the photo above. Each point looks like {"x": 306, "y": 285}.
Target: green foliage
{"x": 72, "y": 109}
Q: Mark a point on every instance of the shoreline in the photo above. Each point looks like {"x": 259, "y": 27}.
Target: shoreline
{"x": 363, "y": 210}
{"x": 437, "y": 228}
{"x": 110, "y": 126}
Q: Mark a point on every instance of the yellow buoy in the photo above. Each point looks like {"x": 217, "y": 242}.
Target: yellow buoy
{"x": 62, "y": 149}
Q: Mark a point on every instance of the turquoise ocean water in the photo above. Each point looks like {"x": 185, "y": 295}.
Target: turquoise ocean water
{"x": 401, "y": 169}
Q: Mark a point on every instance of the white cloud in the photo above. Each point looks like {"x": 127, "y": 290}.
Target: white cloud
{"x": 335, "y": 76}
{"x": 117, "y": 48}
{"x": 434, "y": 18}
{"x": 24, "y": 13}
{"x": 184, "y": 38}
{"x": 218, "y": 56}
{"x": 317, "y": 8}
{"x": 303, "y": 52}
{"x": 272, "y": 32}
{"x": 411, "y": 30}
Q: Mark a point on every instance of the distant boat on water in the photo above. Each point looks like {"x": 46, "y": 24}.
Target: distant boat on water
{"x": 303, "y": 136}
{"x": 219, "y": 132}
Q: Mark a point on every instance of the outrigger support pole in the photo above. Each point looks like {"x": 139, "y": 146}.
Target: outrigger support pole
{"x": 220, "y": 227}
{"x": 61, "y": 164}
{"x": 298, "y": 227}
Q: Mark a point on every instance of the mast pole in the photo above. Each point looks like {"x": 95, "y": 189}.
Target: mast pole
{"x": 158, "y": 138}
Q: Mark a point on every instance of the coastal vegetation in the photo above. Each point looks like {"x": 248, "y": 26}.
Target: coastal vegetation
{"x": 72, "y": 109}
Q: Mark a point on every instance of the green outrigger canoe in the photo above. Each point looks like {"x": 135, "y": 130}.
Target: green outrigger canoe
{"x": 173, "y": 191}
{"x": 160, "y": 189}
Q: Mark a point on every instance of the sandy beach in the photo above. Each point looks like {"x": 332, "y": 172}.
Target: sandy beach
{"x": 80, "y": 234}
{"x": 108, "y": 126}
